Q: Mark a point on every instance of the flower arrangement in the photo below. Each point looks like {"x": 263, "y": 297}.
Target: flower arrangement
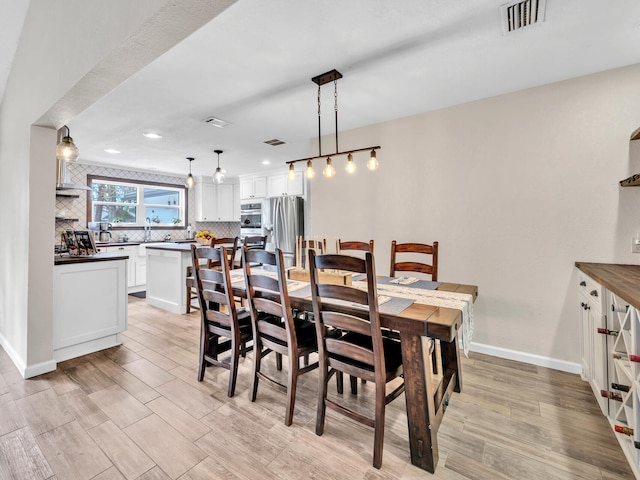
{"x": 204, "y": 237}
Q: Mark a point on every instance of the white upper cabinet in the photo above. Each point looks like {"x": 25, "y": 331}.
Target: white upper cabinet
{"x": 253, "y": 187}
{"x": 216, "y": 203}
{"x": 279, "y": 184}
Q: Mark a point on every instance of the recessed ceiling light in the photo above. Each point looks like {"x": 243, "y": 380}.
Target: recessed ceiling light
{"x": 111, "y": 150}
{"x": 266, "y": 162}
{"x": 152, "y": 135}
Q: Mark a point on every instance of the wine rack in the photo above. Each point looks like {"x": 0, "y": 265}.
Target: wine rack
{"x": 623, "y": 322}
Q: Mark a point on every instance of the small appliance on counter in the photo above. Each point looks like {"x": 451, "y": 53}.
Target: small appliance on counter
{"x": 100, "y": 231}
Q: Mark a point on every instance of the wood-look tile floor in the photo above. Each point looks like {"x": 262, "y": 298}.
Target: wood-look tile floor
{"x": 137, "y": 412}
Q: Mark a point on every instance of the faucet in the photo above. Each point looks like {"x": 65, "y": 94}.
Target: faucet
{"x": 147, "y": 230}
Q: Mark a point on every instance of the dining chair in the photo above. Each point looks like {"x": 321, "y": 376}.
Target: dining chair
{"x": 256, "y": 242}
{"x": 230, "y": 244}
{"x": 192, "y": 292}
{"x": 354, "y": 245}
{"x": 362, "y": 351}
{"x": 412, "y": 266}
{"x": 274, "y": 326}
{"x": 320, "y": 245}
{"x": 220, "y": 317}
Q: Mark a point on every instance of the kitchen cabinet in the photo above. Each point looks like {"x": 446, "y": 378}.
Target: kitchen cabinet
{"x": 136, "y": 266}
{"x": 89, "y": 307}
{"x": 609, "y": 305}
{"x": 593, "y": 343}
{"x": 215, "y": 203}
{"x": 279, "y": 184}
{"x": 236, "y": 202}
{"x": 253, "y": 186}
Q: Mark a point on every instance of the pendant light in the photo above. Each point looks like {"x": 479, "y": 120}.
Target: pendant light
{"x": 218, "y": 176}
{"x": 66, "y": 149}
{"x": 329, "y": 170}
{"x": 190, "y": 181}
{"x": 292, "y": 173}
{"x": 309, "y": 172}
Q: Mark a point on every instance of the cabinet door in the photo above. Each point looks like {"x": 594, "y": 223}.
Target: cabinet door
{"x": 205, "y": 202}
{"x": 246, "y": 189}
{"x": 224, "y": 203}
{"x": 236, "y": 203}
{"x": 131, "y": 263}
{"x": 259, "y": 187}
{"x": 585, "y": 338}
{"x": 276, "y": 185}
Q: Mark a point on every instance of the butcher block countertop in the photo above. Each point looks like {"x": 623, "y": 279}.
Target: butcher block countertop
{"x": 623, "y": 280}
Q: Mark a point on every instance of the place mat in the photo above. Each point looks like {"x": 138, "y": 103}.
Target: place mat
{"x": 409, "y": 282}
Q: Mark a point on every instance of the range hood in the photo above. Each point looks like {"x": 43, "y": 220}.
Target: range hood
{"x": 62, "y": 182}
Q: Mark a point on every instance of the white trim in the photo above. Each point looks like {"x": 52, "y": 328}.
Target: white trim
{"x": 26, "y": 372}
{"x": 530, "y": 358}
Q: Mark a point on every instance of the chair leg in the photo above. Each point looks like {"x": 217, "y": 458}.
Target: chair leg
{"x": 378, "y": 435}
{"x": 339, "y": 382}
{"x": 188, "y": 299}
{"x": 257, "y": 357}
{"x": 233, "y": 368}
{"x": 322, "y": 394}
{"x": 278, "y": 361}
{"x": 292, "y": 383}
{"x": 204, "y": 348}
{"x": 354, "y": 384}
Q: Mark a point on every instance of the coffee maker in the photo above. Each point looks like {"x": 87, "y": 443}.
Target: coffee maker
{"x": 100, "y": 231}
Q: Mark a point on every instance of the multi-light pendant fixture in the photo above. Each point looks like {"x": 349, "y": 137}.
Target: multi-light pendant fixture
{"x": 190, "y": 181}
{"x": 329, "y": 170}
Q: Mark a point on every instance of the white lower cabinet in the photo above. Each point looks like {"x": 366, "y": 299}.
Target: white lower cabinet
{"x": 136, "y": 266}
{"x": 609, "y": 337}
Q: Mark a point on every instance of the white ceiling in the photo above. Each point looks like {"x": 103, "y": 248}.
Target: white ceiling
{"x": 252, "y": 67}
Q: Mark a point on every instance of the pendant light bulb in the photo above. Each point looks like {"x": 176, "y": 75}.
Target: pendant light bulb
{"x": 66, "y": 149}
{"x": 372, "y": 164}
{"x": 292, "y": 173}
{"x": 351, "y": 167}
{"x": 310, "y": 173}
{"x": 329, "y": 171}
{"x": 190, "y": 180}
{"x": 218, "y": 176}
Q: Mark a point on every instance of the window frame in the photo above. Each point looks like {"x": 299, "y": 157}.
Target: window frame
{"x": 140, "y": 184}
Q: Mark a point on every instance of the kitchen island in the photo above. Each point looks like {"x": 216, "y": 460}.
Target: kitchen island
{"x": 89, "y": 303}
{"x": 166, "y": 275}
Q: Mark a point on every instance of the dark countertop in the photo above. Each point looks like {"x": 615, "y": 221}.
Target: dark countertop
{"x": 179, "y": 247}
{"x": 623, "y": 280}
{"x": 98, "y": 257}
{"x": 124, "y": 244}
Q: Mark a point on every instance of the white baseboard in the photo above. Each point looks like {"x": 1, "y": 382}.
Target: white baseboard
{"x": 532, "y": 359}
{"x": 30, "y": 371}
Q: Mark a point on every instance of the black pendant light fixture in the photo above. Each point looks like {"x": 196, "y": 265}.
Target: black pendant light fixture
{"x": 190, "y": 180}
{"x": 218, "y": 176}
{"x": 329, "y": 170}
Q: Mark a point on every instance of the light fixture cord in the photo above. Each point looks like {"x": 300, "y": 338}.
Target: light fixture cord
{"x": 319, "y": 117}
{"x": 335, "y": 98}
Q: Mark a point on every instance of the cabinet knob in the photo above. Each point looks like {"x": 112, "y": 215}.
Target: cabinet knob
{"x": 583, "y": 283}
{"x": 594, "y": 293}
{"x": 583, "y": 305}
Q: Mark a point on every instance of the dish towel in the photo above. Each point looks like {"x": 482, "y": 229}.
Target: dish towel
{"x": 437, "y": 298}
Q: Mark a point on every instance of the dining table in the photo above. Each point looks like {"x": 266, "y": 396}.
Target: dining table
{"x": 417, "y": 323}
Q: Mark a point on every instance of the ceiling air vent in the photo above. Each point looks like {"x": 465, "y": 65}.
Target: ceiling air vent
{"x": 519, "y": 15}
{"x": 216, "y": 122}
{"x": 274, "y": 142}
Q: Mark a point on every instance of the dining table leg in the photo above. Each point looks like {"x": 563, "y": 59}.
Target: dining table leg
{"x": 423, "y": 441}
{"x": 450, "y": 355}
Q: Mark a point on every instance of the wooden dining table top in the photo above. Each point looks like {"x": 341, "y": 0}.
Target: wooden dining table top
{"x": 441, "y": 323}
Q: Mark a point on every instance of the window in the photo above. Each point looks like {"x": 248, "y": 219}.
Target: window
{"x": 130, "y": 203}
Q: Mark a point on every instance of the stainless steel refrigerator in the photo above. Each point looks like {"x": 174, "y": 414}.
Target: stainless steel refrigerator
{"x": 283, "y": 221}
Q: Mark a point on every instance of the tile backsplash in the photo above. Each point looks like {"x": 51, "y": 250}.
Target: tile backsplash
{"x": 76, "y": 208}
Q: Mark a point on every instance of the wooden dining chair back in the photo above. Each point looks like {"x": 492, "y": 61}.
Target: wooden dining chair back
{"x": 231, "y": 246}
{"x": 413, "y": 266}
{"x": 221, "y": 320}
{"x": 361, "y": 351}
{"x": 302, "y": 248}
{"x": 354, "y": 245}
{"x": 257, "y": 242}
{"x": 274, "y": 326}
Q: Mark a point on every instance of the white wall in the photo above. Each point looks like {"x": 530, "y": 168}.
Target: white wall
{"x": 57, "y": 72}
{"x": 516, "y": 188}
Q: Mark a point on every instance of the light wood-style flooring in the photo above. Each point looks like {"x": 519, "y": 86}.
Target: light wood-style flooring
{"x": 137, "y": 412}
